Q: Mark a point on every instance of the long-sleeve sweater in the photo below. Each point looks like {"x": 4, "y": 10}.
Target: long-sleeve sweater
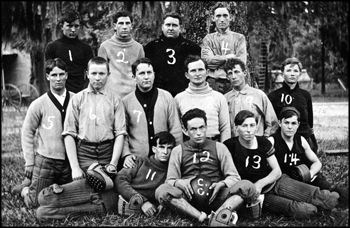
{"x": 216, "y": 45}
{"x": 168, "y": 56}
{"x": 213, "y": 103}
{"x": 121, "y": 54}
{"x": 144, "y": 178}
{"x": 165, "y": 118}
{"x": 298, "y": 98}
{"x": 44, "y": 119}
{"x": 209, "y": 158}
{"x": 76, "y": 54}
{"x": 256, "y": 101}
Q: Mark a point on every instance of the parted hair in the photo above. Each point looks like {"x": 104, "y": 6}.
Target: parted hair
{"x": 191, "y": 114}
{"x": 233, "y": 62}
{"x": 164, "y": 137}
{"x": 288, "y": 112}
{"x": 52, "y": 63}
{"x": 174, "y": 15}
{"x": 220, "y": 5}
{"x": 194, "y": 58}
{"x": 292, "y": 61}
{"x": 243, "y": 115}
{"x": 138, "y": 62}
{"x": 122, "y": 13}
{"x": 69, "y": 16}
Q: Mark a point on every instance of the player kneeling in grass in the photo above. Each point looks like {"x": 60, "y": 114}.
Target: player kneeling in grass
{"x": 93, "y": 133}
{"x": 202, "y": 156}
{"x": 255, "y": 160}
{"x": 48, "y": 163}
{"x": 296, "y": 158}
{"x": 137, "y": 185}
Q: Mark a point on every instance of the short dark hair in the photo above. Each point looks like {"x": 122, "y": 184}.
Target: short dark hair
{"x": 138, "y": 62}
{"x": 191, "y": 114}
{"x": 292, "y": 61}
{"x": 122, "y": 13}
{"x": 69, "y": 16}
{"x": 52, "y": 63}
{"x": 174, "y": 15}
{"x": 243, "y": 115}
{"x": 288, "y": 112}
{"x": 220, "y": 5}
{"x": 233, "y": 62}
{"x": 164, "y": 138}
{"x": 99, "y": 61}
{"x": 194, "y": 58}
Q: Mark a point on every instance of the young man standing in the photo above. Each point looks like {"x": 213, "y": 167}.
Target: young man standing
{"x": 224, "y": 44}
{"x": 290, "y": 94}
{"x": 139, "y": 183}
{"x": 48, "y": 163}
{"x": 203, "y": 156}
{"x": 93, "y": 133}
{"x": 200, "y": 95}
{"x": 148, "y": 110}
{"x": 120, "y": 51}
{"x": 255, "y": 160}
{"x": 168, "y": 54}
{"x": 75, "y": 53}
{"x": 244, "y": 97}
{"x": 294, "y": 151}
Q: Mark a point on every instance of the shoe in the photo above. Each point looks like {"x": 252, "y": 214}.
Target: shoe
{"x": 98, "y": 178}
{"x": 18, "y": 188}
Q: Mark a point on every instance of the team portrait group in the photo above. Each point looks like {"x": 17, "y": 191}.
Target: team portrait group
{"x": 170, "y": 125}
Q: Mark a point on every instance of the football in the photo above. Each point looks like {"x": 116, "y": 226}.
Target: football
{"x": 200, "y": 185}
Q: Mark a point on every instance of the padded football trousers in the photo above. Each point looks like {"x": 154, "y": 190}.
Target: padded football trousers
{"x": 46, "y": 172}
{"x": 297, "y": 199}
{"x": 75, "y": 198}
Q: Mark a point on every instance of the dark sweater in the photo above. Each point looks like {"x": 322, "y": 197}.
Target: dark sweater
{"x": 168, "y": 56}
{"x": 298, "y": 98}
{"x": 76, "y": 54}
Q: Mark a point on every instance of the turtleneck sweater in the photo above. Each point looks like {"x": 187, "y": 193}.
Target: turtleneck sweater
{"x": 121, "y": 53}
{"x": 213, "y": 103}
{"x": 76, "y": 54}
{"x": 168, "y": 56}
{"x": 144, "y": 178}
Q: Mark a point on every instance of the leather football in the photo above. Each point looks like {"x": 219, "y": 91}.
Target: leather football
{"x": 301, "y": 173}
{"x": 200, "y": 185}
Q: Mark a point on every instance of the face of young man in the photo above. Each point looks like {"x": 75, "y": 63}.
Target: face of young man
{"x": 70, "y": 30}
{"x": 144, "y": 77}
{"x": 162, "y": 151}
{"x": 97, "y": 74}
{"x": 197, "y": 73}
{"x": 123, "y": 27}
{"x": 247, "y": 129}
{"x": 237, "y": 77}
{"x": 171, "y": 27}
{"x": 222, "y": 18}
{"x": 196, "y": 130}
{"x": 57, "y": 78}
{"x": 289, "y": 126}
{"x": 291, "y": 73}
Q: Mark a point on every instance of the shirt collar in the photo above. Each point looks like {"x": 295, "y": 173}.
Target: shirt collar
{"x": 63, "y": 94}
{"x": 90, "y": 89}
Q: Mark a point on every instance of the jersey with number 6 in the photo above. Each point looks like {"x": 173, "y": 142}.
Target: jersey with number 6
{"x": 168, "y": 56}
{"x": 251, "y": 164}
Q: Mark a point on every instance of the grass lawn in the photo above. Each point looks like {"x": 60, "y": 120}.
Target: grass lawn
{"x": 331, "y": 132}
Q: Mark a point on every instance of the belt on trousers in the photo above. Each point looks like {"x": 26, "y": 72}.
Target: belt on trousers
{"x": 95, "y": 143}
{"x": 215, "y": 138}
